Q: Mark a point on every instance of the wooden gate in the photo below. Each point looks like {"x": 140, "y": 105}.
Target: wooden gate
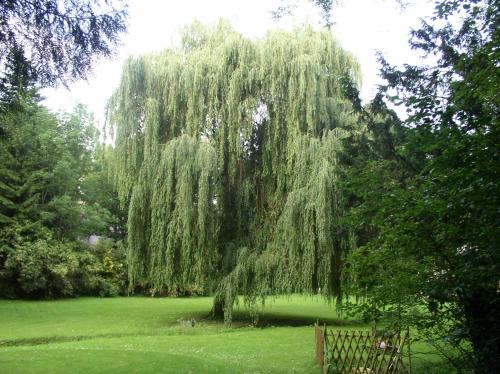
{"x": 374, "y": 352}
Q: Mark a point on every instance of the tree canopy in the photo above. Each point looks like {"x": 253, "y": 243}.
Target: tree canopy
{"x": 57, "y": 41}
{"x": 227, "y": 152}
{"x": 50, "y": 205}
{"x": 430, "y": 204}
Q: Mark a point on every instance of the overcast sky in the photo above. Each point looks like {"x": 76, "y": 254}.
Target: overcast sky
{"x": 362, "y": 26}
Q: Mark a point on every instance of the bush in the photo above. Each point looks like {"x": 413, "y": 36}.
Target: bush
{"x": 45, "y": 268}
{"x": 41, "y": 269}
{"x": 101, "y": 270}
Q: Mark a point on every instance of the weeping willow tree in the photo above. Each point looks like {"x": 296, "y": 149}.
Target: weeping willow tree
{"x": 227, "y": 155}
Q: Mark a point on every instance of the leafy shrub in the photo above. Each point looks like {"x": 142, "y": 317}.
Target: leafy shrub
{"x": 42, "y": 269}
{"x": 46, "y": 268}
{"x": 101, "y": 270}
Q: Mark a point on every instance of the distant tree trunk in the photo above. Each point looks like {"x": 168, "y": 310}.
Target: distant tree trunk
{"x": 218, "y": 308}
{"x": 482, "y": 309}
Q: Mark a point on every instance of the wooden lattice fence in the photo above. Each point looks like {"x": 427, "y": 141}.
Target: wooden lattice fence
{"x": 374, "y": 352}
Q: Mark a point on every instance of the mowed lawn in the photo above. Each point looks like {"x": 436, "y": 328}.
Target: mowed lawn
{"x": 151, "y": 335}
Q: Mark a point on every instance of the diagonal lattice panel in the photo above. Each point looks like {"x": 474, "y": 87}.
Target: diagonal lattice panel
{"x": 362, "y": 351}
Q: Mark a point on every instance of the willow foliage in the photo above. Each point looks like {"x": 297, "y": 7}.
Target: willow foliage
{"x": 227, "y": 154}
{"x": 173, "y": 225}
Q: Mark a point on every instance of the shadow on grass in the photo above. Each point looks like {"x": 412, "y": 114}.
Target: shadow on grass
{"x": 175, "y": 329}
{"x": 49, "y": 340}
{"x": 278, "y": 320}
{"x": 270, "y": 319}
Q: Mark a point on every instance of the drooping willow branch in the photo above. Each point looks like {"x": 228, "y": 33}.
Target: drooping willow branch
{"x": 227, "y": 155}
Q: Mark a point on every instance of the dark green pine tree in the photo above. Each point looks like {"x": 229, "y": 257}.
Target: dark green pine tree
{"x": 17, "y": 141}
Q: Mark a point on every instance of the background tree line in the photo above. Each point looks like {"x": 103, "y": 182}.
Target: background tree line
{"x": 54, "y": 179}
{"x": 55, "y": 195}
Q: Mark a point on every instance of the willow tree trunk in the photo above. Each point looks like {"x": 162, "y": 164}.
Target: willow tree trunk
{"x": 218, "y": 308}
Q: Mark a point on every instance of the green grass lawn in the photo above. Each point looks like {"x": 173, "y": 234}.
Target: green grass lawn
{"x": 146, "y": 335}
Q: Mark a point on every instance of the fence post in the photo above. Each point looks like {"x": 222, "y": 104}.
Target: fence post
{"x": 325, "y": 353}
{"x": 320, "y": 344}
{"x": 409, "y": 351}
